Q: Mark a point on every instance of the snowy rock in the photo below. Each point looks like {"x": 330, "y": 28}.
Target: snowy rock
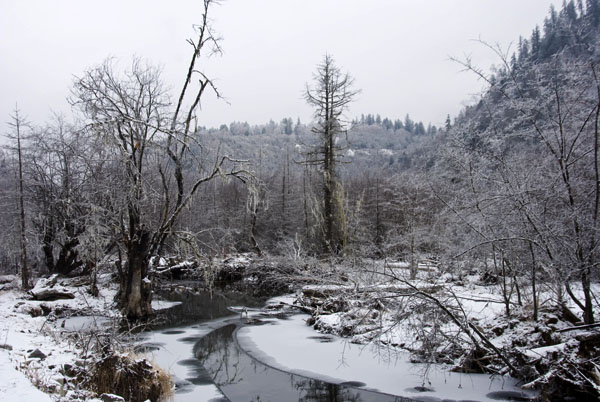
{"x": 69, "y": 370}
{"x": 29, "y": 309}
{"x": 7, "y": 279}
{"x": 111, "y": 398}
{"x": 8, "y": 282}
{"x": 37, "y": 354}
{"x": 47, "y": 289}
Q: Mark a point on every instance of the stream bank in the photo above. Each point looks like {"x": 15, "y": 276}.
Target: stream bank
{"x": 271, "y": 354}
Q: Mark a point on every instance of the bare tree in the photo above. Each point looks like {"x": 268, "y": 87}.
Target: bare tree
{"x": 149, "y": 140}
{"x": 17, "y": 124}
{"x": 330, "y": 96}
{"x": 62, "y": 171}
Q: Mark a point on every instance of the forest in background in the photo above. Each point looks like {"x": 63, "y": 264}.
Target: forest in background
{"x": 510, "y": 186}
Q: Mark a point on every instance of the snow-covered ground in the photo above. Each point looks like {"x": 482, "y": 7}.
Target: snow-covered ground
{"x": 29, "y": 327}
{"x": 39, "y": 348}
{"x": 14, "y": 385}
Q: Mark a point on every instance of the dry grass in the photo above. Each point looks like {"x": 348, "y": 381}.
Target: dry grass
{"x": 131, "y": 376}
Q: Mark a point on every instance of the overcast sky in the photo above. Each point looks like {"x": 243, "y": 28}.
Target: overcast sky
{"x": 397, "y": 50}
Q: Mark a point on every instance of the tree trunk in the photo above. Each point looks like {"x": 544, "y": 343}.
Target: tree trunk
{"x": 413, "y": 264}
{"x": 68, "y": 258}
{"x": 47, "y": 248}
{"x": 588, "y": 312}
{"x": 138, "y": 295}
{"x": 533, "y": 283}
{"x": 24, "y": 269}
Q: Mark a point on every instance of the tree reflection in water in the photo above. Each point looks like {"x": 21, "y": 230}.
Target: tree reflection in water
{"x": 242, "y": 378}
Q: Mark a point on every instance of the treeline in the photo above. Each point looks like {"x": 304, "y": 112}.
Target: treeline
{"x": 288, "y": 126}
{"x": 416, "y": 128}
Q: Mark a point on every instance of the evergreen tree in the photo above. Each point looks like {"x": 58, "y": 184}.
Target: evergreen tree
{"x": 535, "y": 42}
{"x": 592, "y": 11}
{"x": 419, "y": 128}
{"x": 409, "y": 125}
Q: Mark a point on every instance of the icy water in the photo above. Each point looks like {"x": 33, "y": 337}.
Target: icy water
{"x": 209, "y": 364}
{"x": 242, "y": 378}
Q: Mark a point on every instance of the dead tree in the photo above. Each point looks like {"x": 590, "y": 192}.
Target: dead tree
{"x": 330, "y": 96}
{"x": 150, "y": 141}
{"x": 17, "y": 125}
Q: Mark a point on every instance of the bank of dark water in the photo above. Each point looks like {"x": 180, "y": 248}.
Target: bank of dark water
{"x": 218, "y": 359}
{"x": 205, "y": 323}
{"x": 243, "y": 378}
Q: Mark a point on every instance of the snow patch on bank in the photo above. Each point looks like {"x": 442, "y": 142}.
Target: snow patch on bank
{"x": 292, "y": 346}
{"x": 15, "y": 386}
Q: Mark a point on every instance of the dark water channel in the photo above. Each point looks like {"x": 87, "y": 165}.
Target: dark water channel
{"x": 217, "y": 358}
{"x": 242, "y": 378}
{"x": 200, "y": 334}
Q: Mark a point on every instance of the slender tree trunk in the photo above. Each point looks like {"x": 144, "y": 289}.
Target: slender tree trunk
{"x": 305, "y": 204}
{"x": 24, "y": 268}
{"x": 47, "y": 248}
{"x": 413, "y": 264}
{"x": 533, "y": 283}
{"x": 378, "y": 225}
{"x": 505, "y": 292}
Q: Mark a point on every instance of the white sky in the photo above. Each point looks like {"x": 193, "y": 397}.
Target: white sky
{"x": 397, "y": 50}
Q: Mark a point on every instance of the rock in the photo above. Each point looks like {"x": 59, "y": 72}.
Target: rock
{"x": 32, "y": 310}
{"x": 589, "y": 344}
{"x": 7, "y": 279}
{"x": 46, "y": 309}
{"x": 111, "y": 398}
{"x": 6, "y": 346}
{"x": 551, "y": 319}
{"x": 46, "y": 289}
{"x": 53, "y": 294}
{"x": 499, "y": 330}
{"x": 8, "y": 282}
{"x": 69, "y": 370}
{"x": 37, "y": 354}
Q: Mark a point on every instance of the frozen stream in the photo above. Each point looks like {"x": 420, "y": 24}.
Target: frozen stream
{"x": 263, "y": 358}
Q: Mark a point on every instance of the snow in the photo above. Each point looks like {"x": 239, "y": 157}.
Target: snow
{"x": 84, "y": 323}
{"x": 163, "y": 304}
{"x": 171, "y": 349}
{"x": 292, "y": 346}
{"x": 24, "y": 333}
{"x": 330, "y": 319}
{"x": 543, "y": 351}
{"x": 286, "y": 344}
{"x": 15, "y": 386}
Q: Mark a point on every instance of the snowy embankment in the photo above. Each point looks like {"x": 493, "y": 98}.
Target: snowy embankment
{"x": 462, "y": 324}
{"x": 41, "y": 352}
{"x": 45, "y": 345}
{"x": 292, "y": 346}
{"x": 15, "y": 386}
